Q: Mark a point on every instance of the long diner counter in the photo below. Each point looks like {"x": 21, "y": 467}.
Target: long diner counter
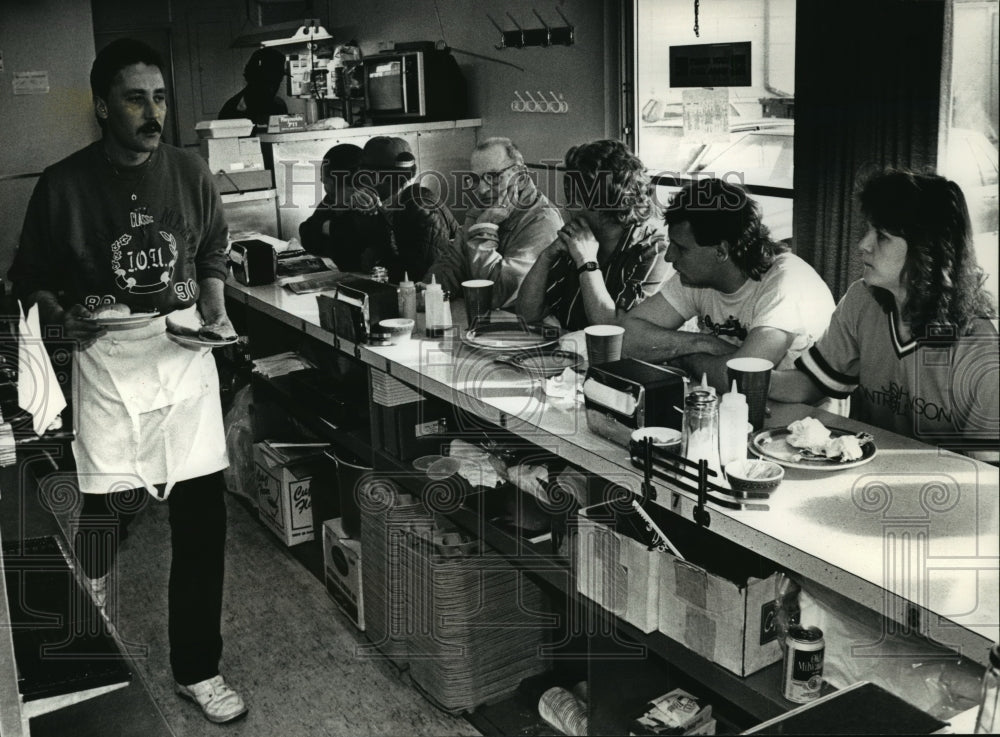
{"x": 913, "y": 534}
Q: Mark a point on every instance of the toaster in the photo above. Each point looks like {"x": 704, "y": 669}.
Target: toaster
{"x": 354, "y": 311}
{"x": 622, "y": 396}
{"x": 254, "y": 262}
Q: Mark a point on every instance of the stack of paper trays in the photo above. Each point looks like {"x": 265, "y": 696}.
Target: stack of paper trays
{"x": 386, "y": 518}
{"x": 476, "y": 627}
{"x": 390, "y": 392}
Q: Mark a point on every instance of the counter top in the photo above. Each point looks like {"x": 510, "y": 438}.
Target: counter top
{"x": 368, "y": 131}
{"x": 913, "y": 534}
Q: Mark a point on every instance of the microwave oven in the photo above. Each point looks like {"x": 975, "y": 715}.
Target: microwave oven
{"x": 407, "y": 85}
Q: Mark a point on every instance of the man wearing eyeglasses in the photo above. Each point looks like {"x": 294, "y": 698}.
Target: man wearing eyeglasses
{"x": 504, "y": 234}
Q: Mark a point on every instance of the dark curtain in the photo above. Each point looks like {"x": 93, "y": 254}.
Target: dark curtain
{"x": 867, "y": 92}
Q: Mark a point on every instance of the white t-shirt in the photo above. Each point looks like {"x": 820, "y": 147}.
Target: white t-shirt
{"x": 790, "y": 296}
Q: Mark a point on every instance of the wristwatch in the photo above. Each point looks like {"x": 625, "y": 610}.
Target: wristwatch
{"x": 589, "y": 266}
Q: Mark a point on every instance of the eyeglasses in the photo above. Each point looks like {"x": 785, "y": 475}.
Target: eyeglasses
{"x": 492, "y": 178}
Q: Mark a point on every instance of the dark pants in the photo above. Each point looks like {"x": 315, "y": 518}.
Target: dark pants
{"x": 198, "y": 538}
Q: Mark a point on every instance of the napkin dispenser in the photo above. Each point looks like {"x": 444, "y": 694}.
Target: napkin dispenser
{"x": 254, "y": 262}
{"x": 358, "y": 306}
{"x": 622, "y": 396}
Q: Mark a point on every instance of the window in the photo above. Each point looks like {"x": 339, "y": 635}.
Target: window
{"x": 739, "y": 133}
{"x": 967, "y": 151}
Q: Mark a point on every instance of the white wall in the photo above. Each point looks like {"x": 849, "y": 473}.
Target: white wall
{"x": 55, "y": 36}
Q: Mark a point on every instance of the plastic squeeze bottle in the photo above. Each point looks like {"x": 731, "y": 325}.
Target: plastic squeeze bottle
{"x": 407, "y": 295}
{"x": 734, "y": 414}
{"x": 433, "y": 309}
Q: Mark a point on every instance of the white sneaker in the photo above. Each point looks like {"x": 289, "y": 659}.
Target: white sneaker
{"x": 217, "y": 700}
{"x": 98, "y": 588}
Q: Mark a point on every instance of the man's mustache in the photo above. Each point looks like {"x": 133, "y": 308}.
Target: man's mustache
{"x": 151, "y": 127}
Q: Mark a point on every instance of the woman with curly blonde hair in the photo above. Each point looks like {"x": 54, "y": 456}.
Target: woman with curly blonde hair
{"x": 913, "y": 342}
{"x": 608, "y": 257}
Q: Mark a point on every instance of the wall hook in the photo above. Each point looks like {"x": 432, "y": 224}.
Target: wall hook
{"x": 520, "y": 44}
{"x": 548, "y": 32}
{"x": 544, "y": 36}
{"x": 542, "y": 104}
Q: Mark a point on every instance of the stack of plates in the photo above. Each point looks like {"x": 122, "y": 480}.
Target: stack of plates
{"x": 8, "y": 448}
{"x": 476, "y": 632}
{"x": 390, "y": 392}
{"x": 387, "y": 517}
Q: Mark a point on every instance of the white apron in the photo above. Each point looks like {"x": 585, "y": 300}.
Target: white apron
{"x": 147, "y": 412}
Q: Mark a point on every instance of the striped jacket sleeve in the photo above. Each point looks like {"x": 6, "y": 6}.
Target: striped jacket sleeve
{"x": 833, "y": 361}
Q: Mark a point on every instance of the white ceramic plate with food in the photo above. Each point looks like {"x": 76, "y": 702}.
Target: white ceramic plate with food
{"x": 773, "y": 445}
{"x": 123, "y": 321}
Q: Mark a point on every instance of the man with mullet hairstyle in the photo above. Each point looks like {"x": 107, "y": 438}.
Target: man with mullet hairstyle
{"x": 750, "y": 296}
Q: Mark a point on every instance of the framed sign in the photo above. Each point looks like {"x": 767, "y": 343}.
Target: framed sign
{"x": 710, "y": 65}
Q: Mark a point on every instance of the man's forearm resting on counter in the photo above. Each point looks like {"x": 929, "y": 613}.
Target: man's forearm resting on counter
{"x": 648, "y": 341}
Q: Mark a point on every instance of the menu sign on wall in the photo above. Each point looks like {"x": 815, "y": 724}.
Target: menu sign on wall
{"x": 710, "y": 65}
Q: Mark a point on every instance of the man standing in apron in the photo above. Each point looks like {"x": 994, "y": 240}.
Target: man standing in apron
{"x": 134, "y": 223}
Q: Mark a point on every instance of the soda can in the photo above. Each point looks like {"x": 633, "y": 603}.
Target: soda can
{"x": 803, "y": 676}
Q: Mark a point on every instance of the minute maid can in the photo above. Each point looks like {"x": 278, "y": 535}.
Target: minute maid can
{"x": 803, "y": 664}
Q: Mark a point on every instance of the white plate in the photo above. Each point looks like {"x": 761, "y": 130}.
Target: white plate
{"x": 189, "y": 341}
{"x": 130, "y": 321}
{"x": 507, "y": 336}
{"x": 773, "y": 445}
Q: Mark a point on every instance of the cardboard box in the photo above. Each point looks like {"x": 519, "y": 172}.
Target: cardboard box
{"x": 232, "y": 154}
{"x": 729, "y": 622}
{"x": 617, "y": 571}
{"x": 342, "y": 567}
{"x": 283, "y": 499}
{"x": 718, "y": 601}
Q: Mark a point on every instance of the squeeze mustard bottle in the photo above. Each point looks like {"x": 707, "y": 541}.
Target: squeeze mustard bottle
{"x": 407, "y": 296}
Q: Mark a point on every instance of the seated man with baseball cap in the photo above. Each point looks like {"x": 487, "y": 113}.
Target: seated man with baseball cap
{"x": 404, "y": 224}
{"x": 334, "y": 230}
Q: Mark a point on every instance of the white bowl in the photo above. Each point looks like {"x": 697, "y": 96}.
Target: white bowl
{"x": 399, "y": 329}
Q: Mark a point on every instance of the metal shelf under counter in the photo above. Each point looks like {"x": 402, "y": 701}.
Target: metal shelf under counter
{"x": 928, "y": 565}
